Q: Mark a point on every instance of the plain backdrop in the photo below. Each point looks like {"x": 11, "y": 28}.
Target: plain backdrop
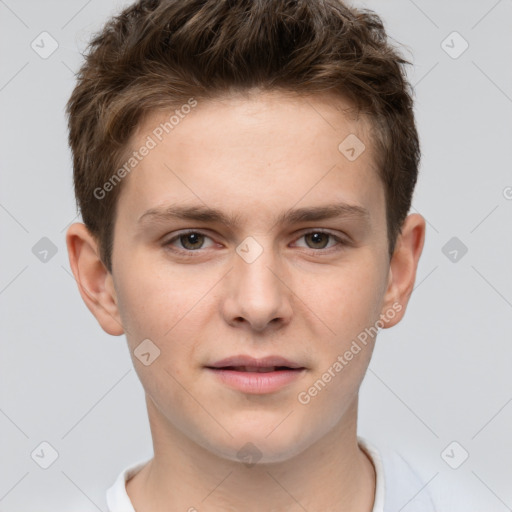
{"x": 439, "y": 382}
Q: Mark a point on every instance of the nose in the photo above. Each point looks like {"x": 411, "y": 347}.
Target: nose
{"x": 256, "y": 293}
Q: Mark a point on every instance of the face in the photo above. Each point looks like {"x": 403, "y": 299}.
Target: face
{"x": 247, "y": 231}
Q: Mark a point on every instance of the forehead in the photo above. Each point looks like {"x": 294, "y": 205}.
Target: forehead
{"x": 246, "y": 150}
{"x": 278, "y": 122}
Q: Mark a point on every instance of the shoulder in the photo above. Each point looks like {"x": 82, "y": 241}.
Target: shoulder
{"x": 398, "y": 484}
{"x": 117, "y": 497}
{"x": 405, "y": 486}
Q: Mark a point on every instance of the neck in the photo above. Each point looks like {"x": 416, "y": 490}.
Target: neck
{"x": 331, "y": 474}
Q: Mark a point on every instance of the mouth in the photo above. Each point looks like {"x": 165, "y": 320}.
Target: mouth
{"x": 255, "y": 369}
{"x": 257, "y": 376}
{"x": 247, "y": 363}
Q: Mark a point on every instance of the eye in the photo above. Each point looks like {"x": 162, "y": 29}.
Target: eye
{"x": 190, "y": 241}
{"x": 319, "y": 240}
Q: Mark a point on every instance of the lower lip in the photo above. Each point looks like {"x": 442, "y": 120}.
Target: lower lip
{"x": 257, "y": 382}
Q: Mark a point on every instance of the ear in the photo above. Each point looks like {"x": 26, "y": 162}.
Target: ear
{"x": 402, "y": 269}
{"x": 94, "y": 281}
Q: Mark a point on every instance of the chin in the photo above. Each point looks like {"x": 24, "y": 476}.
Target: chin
{"x": 261, "y": 446}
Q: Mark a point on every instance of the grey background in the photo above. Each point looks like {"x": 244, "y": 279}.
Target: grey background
{"x": 441, "y": 375}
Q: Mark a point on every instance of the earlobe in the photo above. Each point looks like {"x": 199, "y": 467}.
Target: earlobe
{"x": 94, "y": 281}
{"x": 402, "y": 270}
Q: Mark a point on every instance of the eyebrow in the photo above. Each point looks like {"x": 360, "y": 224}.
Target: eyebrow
{"x": 292, "y": 216}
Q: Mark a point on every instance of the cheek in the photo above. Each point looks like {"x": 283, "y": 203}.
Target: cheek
{"x": 149, "y": 303}
{"x": 149, "y": 284}
{"x": 142, "y": 312}
{"x": 351, "y": 298}
{"x": 350, "y": 308}
{"x": 170, "y": 307}
{"x": 157, "y": 308}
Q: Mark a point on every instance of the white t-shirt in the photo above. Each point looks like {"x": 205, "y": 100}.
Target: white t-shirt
{"x": 396, "y": 484}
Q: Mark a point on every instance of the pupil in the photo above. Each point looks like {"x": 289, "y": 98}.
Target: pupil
{"x": 317, "y": 237}
{"x": 191, "y": 239}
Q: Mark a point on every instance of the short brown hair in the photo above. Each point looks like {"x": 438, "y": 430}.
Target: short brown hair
{"x": 157, "y": 54}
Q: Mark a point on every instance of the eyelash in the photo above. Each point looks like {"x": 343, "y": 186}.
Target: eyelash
{"x": 341, "y": 243}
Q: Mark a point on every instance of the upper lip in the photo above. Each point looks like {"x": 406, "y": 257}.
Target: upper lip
{"x": 264, "y": 362}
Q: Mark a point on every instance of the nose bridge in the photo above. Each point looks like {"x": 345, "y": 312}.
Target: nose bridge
{"x": 257, "y": 293}
{"x": 255, "y": 259}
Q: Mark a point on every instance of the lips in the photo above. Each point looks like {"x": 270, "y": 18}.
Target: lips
{"x": 245, "y": 363}
{"x": 261, "y": 376}
{"x": 247, "y": 374}
{"x": 258, "y": 369}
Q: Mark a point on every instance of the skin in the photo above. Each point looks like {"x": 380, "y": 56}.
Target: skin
{"x": 304, "y": 298}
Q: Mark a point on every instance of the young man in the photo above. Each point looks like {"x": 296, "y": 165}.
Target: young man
{"x": 244, "y": 170}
